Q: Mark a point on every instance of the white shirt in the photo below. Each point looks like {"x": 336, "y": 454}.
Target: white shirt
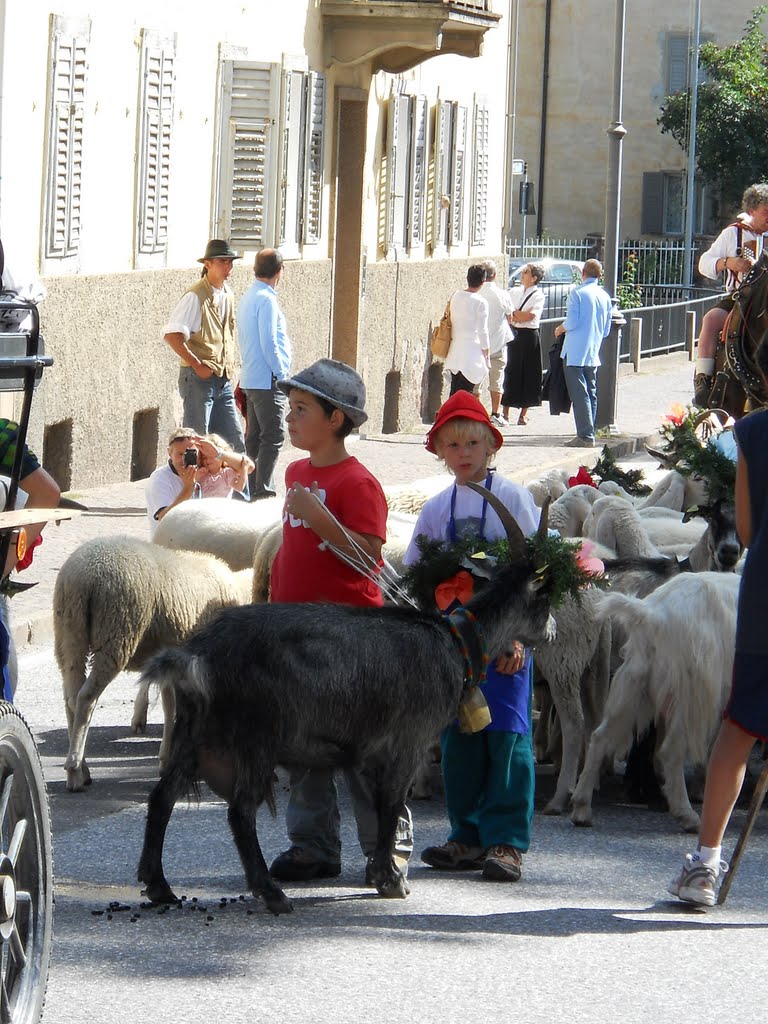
{"x": 499, "y": 304}
{"x": 725, "y": 245}
{"x": 162, "y": 489}
{"x": 435, "y": 515}
{"x": 188, "y": 316}
{"x": 469, "y": 336}
{"x": 534, "y": 304}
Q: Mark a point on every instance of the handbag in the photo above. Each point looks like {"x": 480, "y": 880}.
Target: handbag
{"x": 442, "y": 334}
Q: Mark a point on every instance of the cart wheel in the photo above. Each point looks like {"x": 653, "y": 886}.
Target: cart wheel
{"x": 26, "y": 874}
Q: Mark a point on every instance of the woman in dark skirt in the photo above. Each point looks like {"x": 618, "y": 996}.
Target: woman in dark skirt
{"x": 522, "y": 378}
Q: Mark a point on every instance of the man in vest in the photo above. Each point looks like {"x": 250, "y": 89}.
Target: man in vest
{"x": 201, "y": 331}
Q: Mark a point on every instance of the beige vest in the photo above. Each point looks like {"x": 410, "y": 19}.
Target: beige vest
{"x": 214, "y": 343}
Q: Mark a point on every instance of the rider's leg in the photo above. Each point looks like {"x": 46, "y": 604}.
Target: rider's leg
{"x": 706, "y": 350}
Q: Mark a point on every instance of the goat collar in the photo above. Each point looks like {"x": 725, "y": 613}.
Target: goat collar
{"x": 471, "y": 644}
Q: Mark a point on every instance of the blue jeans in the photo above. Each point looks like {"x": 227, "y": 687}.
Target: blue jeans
{"x": 209, "y": 406}
{"x": 581, "y": 382}
{"x": 264, "y": 437}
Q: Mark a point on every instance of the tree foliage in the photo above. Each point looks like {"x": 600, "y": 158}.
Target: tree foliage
{"x": 732, "y": 114}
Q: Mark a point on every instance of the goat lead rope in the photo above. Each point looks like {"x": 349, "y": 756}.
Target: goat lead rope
{"x": 471, "y": 643}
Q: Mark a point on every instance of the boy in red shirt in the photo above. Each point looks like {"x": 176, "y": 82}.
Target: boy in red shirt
{"x": 326, "y": 403}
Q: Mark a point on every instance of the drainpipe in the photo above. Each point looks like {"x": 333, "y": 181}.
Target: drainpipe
{"x": 3, "y": 17}
{"x": 510, "y": 122}
{"x": 543, "y": 132}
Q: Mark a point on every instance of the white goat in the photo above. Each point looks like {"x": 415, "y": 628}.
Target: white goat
{"x": 676, "y": 669}
{"x": 116, "y": 601}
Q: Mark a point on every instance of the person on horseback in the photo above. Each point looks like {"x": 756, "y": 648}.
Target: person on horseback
{"x": 732, "y": 253}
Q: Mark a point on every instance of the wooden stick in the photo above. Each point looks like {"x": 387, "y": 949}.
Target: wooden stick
{"x": 754, "y": 807}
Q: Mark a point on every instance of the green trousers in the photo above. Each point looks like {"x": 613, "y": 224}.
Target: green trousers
{"x": 489, "y": 785}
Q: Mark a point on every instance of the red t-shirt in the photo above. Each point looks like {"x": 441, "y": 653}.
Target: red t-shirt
{"x": 303, "y": 572}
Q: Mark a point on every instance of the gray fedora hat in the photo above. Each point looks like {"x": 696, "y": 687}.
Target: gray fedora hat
{"x": 334, "y": 381}
{"x": 218, "y": 249}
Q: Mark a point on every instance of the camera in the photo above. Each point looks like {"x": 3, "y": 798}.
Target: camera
{"x": 190, "y": 456}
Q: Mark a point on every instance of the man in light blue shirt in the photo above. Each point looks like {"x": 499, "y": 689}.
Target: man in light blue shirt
{"x": 587, "y": 322}
{"x": 266, "y": 354}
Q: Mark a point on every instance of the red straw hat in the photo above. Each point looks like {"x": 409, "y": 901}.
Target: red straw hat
{"x": 461, "y": 406}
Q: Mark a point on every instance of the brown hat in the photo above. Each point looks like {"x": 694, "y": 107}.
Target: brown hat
{"x": 218, "y": 249}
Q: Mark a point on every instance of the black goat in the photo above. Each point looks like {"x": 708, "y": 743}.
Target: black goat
{"x": 324, "y": 685}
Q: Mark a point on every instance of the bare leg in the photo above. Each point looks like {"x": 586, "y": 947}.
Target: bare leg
{"x": 522, "y": 418}
{"x": 725, "y": 776}
{"x": 495, "y": 401}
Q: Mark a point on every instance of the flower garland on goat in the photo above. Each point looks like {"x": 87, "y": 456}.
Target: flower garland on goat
{"x": 606, "y": 468}
{"x": 448, "y": 571}
{"x": 694, "y": 457}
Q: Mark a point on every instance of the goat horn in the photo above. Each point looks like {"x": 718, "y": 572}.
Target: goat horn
{"x": 517, "y": 546}
{"x": 544, "y": 520}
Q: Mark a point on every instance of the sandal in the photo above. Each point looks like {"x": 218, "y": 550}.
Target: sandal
{"x": 522, "y": 421}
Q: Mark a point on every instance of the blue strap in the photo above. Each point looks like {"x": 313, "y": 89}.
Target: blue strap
{"x": 5, "y": 650}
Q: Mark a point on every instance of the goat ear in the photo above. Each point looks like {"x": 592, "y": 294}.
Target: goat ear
{"x": 518, "y": 549}
{"x": 541, "y": 533}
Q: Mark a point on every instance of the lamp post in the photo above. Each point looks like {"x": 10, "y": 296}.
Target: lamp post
{"x": 690, "y": 191}
{"x": 608, "y": 373}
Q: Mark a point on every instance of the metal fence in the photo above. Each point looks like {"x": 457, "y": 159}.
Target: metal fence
{"x": 657, "y": 263}
{"x": 664, "y": 321}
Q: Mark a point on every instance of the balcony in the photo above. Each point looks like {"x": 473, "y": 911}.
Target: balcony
{"x": 395, "y": 35}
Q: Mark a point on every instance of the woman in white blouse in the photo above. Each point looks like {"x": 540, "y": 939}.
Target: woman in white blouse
{"x": 522, "y": 377}
{"x": 468, "y": 358}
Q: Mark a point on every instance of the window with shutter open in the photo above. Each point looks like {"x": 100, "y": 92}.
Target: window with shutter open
{"x": 417, "y": 213}
{"x": 61, "y": 223}
{"x": 154, "y": 157}
{"x": 301, "y": 159}
{"x": 458, "y": 173}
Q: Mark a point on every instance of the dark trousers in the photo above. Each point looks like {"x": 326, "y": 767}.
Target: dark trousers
{"x": 460, "y": 383}
{"x": 264, "y": 437}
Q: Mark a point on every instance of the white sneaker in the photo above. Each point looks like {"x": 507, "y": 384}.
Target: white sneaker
{"x": 498, "y": 420}
{"x": 696, "y": 882}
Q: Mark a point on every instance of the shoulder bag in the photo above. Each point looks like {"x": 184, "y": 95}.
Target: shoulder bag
{"x": 442, "y": 334}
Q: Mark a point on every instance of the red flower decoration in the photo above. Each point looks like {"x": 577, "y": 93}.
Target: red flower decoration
{"x": 457, "y": 588}
{"x": 26, "y": 561}
{"x": 582, "y": 477}
{"x": 676, "y": 414}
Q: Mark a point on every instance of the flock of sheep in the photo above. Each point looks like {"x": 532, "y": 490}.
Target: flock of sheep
{"x": 656, "y": 647}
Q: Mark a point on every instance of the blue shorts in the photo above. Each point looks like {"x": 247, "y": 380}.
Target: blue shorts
{"x": 748, "y": 703}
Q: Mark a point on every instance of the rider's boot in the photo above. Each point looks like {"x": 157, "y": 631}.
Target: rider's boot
{"x": 702, "y": 389}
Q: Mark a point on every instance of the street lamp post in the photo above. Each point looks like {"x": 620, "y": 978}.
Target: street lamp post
{"x": 608, "y": 373}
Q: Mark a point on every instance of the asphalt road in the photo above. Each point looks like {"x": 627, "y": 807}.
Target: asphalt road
{"x": 587, "y": 935}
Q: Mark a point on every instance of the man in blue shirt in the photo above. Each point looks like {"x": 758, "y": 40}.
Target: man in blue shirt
{"x": 587, "y": 322}
{"x": 266, "y": 354}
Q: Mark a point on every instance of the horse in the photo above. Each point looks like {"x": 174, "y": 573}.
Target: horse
{"x": 739, "y": 387}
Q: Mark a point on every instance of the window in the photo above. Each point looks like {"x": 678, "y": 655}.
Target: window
{"x": 450, "y": 172}
{"x": 678, "y": 58}
{"x": 406, "y": 172}
{"x": 663, "y": 211}
{"x": 480, "y": 173}
{"x": 64, "y": 142}
{"x": 271, "y": 156}
{"x": 301, "y": 159}
{"x": 154, "y": 153}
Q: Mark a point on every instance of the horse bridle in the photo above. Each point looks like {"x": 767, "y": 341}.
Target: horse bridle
{"x": 739, "y": 360}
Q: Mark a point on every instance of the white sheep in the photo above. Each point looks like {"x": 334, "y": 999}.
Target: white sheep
{"x": 553, "y": 485}
{"x": 676, "y": 491}
{"x": 676, "y": 669}
{"x": 568, "y": 513}
{"x": 616, "y": 524}
{"x": 223, "y": 527}
{"x": 116, "y": 601}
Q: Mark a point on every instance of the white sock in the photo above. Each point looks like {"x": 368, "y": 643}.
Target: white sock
{"x": 709, "y": 856}
{"x": 705, "y": 366}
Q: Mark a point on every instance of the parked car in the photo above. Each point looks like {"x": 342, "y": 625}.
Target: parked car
{"x": 560, "y": 277}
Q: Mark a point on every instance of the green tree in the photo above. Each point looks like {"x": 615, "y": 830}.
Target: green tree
{"x": 732, "y": 115}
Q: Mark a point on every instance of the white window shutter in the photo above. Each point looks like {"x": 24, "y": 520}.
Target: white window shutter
{"x": 65, "y": 139}
{"x": 293, "y": 127}
{"x": 247, "y": 180}
{"x": 443, "y": 145}
{"x": 315, "y": 156}
{"x": 398, "y": 147}
{"x": 480, "y": 176}
{"x": 158, "y": 58}
{"x": 459, "y": 172}
{"x": 418, "y": 177}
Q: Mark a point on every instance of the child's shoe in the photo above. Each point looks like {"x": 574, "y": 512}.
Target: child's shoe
{"x": 696, "y": 882}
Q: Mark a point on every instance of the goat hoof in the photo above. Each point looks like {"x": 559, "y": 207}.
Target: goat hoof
{"x": 160, "y": 892}
{"x": 690, "y": 824}
{"x": 139, "y": 728}
{"x": 552, "y": 809}
{"x": 583, "y": 819}
{"x": 276, "y": 901}
{"x": 396, "y": 889}
{"x": 78, "y": 779}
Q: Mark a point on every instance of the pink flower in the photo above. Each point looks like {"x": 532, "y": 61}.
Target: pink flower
{"x": 676, "y": 414}
{"x": 587, "y": 560}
